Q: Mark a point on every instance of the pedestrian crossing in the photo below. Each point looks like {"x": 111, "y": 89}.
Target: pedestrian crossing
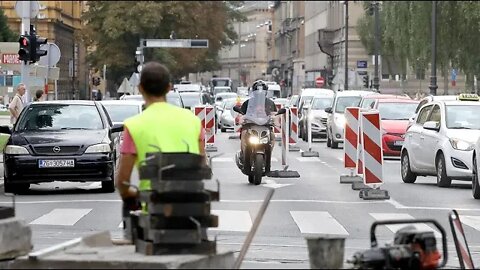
{"x": 306, "y": 223}
{"x": 300, "y": 159}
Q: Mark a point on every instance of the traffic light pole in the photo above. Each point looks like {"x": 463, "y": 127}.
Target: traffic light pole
{"x": 25, "y": 30}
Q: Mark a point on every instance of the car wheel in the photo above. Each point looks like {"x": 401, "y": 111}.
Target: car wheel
{"x": 475, "y": 183}
{"x": 334, "y": 144}
{"x": 16, "y": 188}
{"x": 442, "y": 179}
{"x": 109, "y": 186}
{"x": 407, "y": 175}
{"x": 329, "y": 142}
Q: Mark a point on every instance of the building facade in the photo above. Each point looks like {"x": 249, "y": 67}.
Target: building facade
{"x": 60, "y": 22}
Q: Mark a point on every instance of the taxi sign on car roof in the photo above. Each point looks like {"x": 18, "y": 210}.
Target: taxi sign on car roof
{"x": 468, "y": 97}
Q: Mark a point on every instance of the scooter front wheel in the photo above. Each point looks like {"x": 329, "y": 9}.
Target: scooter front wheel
{"x": 258, "y": 169}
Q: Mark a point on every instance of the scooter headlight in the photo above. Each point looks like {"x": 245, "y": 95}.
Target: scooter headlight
{"x": 254, "y": 140}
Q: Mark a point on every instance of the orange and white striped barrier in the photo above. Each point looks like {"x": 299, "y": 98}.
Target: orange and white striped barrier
{"x": 210, "y": 129}
{"x": 350, "y": 156}
{"x": 293, "y": 129}
{"x": 461, "y": 245}
{"x": 372, "y": 155}
{"x": 200, "y": 113}
{"x": 237, "y": 127}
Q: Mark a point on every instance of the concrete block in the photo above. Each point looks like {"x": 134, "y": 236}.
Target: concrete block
{"x": 348, "y": 179}
{"x": 310, "y": 154}
{"x": 325, "y": 252}
{"x": 374, "y": 194}
{"x": 293, "y": 148}
{"x": 359, "y": 186}
{"x": 15, "y": 238}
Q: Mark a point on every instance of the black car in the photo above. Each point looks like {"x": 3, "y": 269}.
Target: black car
{"x": 60, "y": 141}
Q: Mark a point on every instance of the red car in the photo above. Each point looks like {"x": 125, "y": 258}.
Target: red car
{"x": 370, "y": 101}
{"x": 394, "y": 114}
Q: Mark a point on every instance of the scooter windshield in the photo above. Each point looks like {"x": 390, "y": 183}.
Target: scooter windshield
{"x": 256, "y": 108}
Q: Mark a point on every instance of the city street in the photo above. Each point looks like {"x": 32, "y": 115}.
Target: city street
{"x": 314, "y": 204}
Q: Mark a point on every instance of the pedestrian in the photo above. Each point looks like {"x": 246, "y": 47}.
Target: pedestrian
{"x": 16, "y": 105}
{"x": 160, "y": 126}
{"x": 38, "y": 95}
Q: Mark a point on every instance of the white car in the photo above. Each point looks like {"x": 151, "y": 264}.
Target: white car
{"x": 317, "y": 116}
{"x": 441, "y": 141}
{"x": 118, "y": 111}
{"x": 336, "y": 117}
{"x": 426, "y": 100}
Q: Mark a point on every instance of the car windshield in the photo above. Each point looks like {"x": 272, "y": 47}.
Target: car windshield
{"x": 344, "y": 102}
{"x": 396, "y": 111}
{"x": 47, "y": 117}
{"x": 463, "y": 116}
{"x": 321, "y": 103}
{"x": 218, "y": 90}
{"x": 120, "y": 112}
{"x": 191, "y": 100}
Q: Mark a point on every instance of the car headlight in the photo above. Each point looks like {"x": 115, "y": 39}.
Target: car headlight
{"x": 16, "y": 150}
{"x": 461, "y": 145}
{"x": 98, "y": 148}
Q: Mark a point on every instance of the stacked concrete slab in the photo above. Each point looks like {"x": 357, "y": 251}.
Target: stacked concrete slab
{"x": 177, "y": 212}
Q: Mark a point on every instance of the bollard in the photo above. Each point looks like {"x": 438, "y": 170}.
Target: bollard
{"x": 309, "y": 153}
{"x": 210, "y": 129}
{"x": 326, "y": 252}
{"x": 293, "y": 120}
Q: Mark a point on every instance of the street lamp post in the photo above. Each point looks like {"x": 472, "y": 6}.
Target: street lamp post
{"x": 433, "y": 78}
{"x": 346, "y": 46}
{"x": 376, "y": 81}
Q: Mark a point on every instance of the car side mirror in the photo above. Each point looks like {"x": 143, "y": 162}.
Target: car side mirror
{"x": 282, "y": 111}
{"x": 329, "y": 110}
{"x": 432, "y": 125}
{"x": 117, "y": 128}
{"x": 237, "y": 109}
{"x": 5, "y": 130}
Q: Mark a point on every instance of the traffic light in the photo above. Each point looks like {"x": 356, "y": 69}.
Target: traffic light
{"x": 24, "y": 51}
{"x": 366, "y": 81}
{"x": 36, "y": 51}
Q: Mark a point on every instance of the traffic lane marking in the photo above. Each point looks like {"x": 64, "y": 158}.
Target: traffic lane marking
{"x": 317, "y": 223}
{"x": 399, "y": 216}
{"x": 232, "y": 220}
{"x": 62, "y": 217}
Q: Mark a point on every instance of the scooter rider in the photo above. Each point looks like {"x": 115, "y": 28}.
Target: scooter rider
{"x": 270, "y": 109}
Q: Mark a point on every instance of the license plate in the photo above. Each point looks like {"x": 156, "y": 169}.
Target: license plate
{"x": 398, "y": 143}
{"x": 62, "y": 163}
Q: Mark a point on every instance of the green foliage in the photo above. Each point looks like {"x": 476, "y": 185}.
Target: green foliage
{"x": 6, "y": 34}
{"x": 406, "y": 33}
{"x": 114, "y": 29}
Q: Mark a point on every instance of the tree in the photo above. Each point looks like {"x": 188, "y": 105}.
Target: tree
{"x": 6, "y": 34}
{"x": 115, "y": 28}
{"x": 407, "y": 35}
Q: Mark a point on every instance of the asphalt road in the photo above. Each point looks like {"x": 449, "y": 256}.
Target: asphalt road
{"x": 315, "y": 204}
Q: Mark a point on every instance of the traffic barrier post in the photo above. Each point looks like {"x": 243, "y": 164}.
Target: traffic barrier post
{"x": 210, "y": 129}
{"x": 309, "y": 153}
{"x": 350, "y": 146}
{"x": 237, "y": 127}
{"x": 372, "y": 156}
{"x": 277, "y": 130}
{"x": 293, "y": 138}
{"x": 284, "y": 173}
{"x": 461, "y": 245}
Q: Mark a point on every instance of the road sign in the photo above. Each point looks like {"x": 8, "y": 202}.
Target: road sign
{"x": 177, "y": 43}
{"x": 361, "y": 64}
{"x": 21, "y": 7}
{"x": 53, "y": 55}
{"x": 10, "y": 58}
{"x": 320, "y": 81}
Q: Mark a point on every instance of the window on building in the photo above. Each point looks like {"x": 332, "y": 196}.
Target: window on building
{"x": 9, "y": 80}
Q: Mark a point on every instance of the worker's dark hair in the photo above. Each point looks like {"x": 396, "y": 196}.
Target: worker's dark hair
{"x": 155, "y": 79}
{"x": 39, "y": 94}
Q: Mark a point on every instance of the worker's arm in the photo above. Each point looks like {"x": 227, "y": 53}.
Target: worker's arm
{"x": 201, "y": 145}
{"x": 128, "y": 157}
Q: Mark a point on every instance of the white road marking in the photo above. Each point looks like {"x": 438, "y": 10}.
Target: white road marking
{"x": 471, "y": 221}
{"x": 308, "y": 159}
{"x": 62, "y": 216}
{"x": 94, "y": 185}
{"x": 232, "y": 220}
{"x": 222, "y": 159}
{"x": 397, "y": 216}
{"x": 317, "y": 223}
{"x": 273, "y": 184}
